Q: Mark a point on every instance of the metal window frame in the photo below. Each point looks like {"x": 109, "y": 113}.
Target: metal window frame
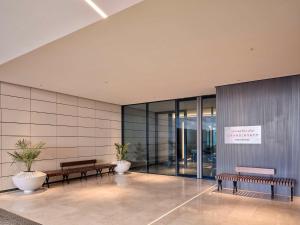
{"x": 199, "y": 138}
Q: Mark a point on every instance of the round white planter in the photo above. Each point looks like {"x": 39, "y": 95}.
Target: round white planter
{"x": 29, "y": 181}
{"x": 122, "y": 166}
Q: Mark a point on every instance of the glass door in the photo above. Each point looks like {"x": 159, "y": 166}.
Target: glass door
{"x": 135, "y": 132}
{"x": 209, "y": 138}
{"x": 187, "y": 137}
{"x": 161, "y": 138}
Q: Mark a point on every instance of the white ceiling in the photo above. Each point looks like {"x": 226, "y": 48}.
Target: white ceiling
{"x": 28, "y": 24}
{"x": 164, "y": 49}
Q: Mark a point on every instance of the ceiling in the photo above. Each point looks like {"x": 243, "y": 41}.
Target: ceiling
{"x": 29, "y": 24}
{"x": 165, "y": 49}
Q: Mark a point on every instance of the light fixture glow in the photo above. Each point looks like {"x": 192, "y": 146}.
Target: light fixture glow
{"x": 96, "y": 8}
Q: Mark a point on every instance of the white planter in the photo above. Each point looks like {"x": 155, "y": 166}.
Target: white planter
{"x": 29, "y": 181}
{"x": 122, "y": 166}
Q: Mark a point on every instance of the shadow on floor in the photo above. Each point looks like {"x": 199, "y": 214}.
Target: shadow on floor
{"x": 256, "y": 195}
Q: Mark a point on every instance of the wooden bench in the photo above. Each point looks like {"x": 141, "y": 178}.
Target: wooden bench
{"x": 100, "y": 167}
{"x": 266, "y": 176}
{"x": 81, "y": 167}
{"x": 53, "y": 173}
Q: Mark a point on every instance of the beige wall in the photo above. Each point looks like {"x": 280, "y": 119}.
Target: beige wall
{"x": 73, "y": 128}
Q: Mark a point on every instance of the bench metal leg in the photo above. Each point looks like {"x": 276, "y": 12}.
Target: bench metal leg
{"x": 219, "y": 185}
{"x": 65, "y": 178}
{"x": 234, "y": 187}
{"x": 272, "y": 191}
{"x": 47, "y": 181}
{"x": 83, "y": 174}
{"x": 292, "y": 193}
{"x": 111, "y": 170}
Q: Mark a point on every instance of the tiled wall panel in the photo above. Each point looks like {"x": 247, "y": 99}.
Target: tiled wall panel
{"x": 67, "y": 110}
{"x": 43, "y": 118}
{"x": 67, "y": 99}
{"x": 67, "y": 120}
{"x": 9, "y": 102}
{"x": 41, "y": 106}
{"x": 15, "y": 90}
{"x": 73, "y": 128}
{"x": 15, "y": 129}
{"x": 15, "y": 116}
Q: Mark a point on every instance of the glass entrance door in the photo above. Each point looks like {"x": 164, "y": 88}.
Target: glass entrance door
{"x": 187, "y": 137}
{"x": 209, "y": 138}
{"x": 161, "y": 138}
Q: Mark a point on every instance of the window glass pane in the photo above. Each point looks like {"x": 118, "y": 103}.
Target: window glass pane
{"x": 209, "y": 137}
{"x": 162, "y": 158}
{"x": 135, "y": 135}
{"x": 187, "y": 137}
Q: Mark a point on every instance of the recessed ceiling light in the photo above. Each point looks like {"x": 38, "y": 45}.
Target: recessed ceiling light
{"x": 96, "y": 8}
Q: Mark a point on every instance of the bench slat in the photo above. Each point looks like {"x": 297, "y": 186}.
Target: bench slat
{"x": 77, "y": 163}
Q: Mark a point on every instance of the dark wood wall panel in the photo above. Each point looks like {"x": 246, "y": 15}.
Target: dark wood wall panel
{"x": 275, "y": 105}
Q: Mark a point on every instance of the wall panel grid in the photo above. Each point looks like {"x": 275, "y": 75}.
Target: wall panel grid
{"x": 73, "y": 128}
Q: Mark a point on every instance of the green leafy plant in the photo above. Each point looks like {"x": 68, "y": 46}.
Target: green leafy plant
{"x": 122, "y": 151}
{"x": 28, "y": 153}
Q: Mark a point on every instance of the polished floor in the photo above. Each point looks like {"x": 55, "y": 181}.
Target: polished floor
{"x": 148, "y": 199}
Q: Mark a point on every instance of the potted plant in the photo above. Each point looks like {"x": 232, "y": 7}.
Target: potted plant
{"x": 28, "y": 180}
{"x": 122, "y": 164}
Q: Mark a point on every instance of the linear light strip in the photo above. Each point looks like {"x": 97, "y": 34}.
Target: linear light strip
{"x": 97, "y": 9}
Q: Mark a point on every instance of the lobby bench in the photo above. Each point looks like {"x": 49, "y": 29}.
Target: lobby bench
{"x": 81, "y": 167}
{"x": 265, "y": 176}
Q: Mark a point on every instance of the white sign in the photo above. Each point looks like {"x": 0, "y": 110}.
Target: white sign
{"x": 243, "y": 135}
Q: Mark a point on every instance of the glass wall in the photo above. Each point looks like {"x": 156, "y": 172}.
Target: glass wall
{"x": 187, "y": 137}
{"x": 134, "y": 133}
{"x": 163, "y": 136}
{"x": 209, "y": 138}
{"x": 162, "y": 157}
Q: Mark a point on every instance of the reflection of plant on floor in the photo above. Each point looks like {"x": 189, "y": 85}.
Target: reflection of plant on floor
{"x": 28, "y": 154}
